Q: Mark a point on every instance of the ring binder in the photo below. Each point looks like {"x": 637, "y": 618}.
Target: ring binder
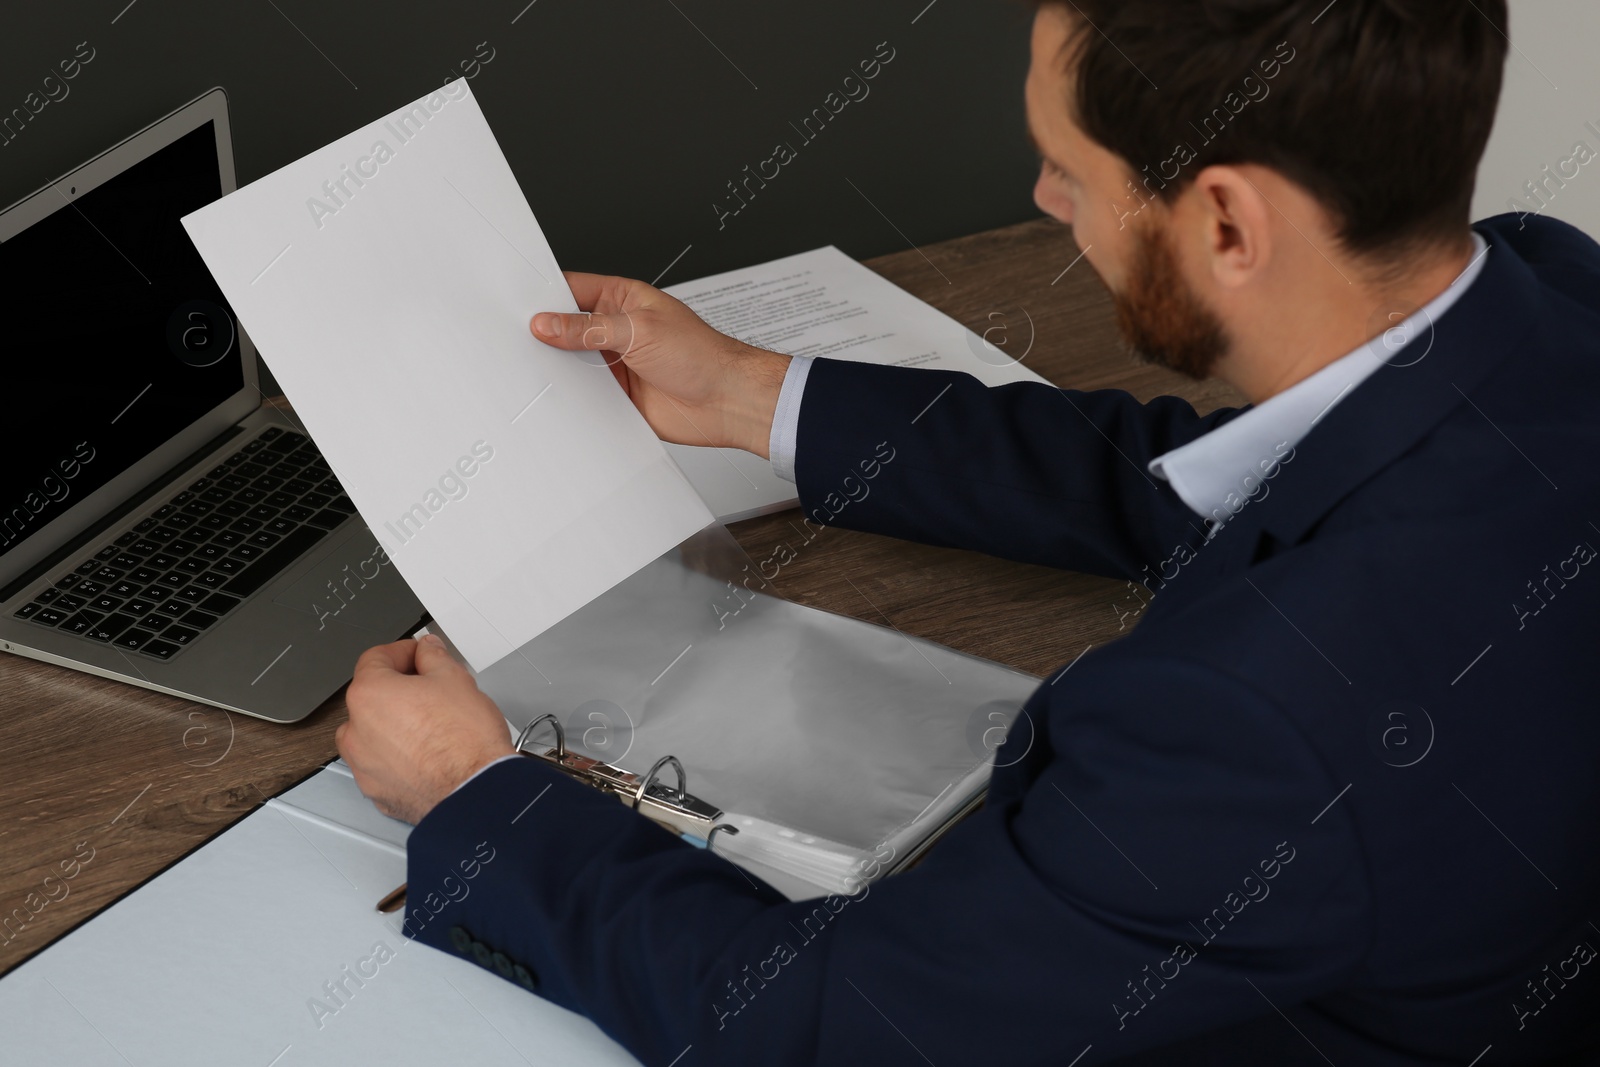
{"x": 676, "y": 809}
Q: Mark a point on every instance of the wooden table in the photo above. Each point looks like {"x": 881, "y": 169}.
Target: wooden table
{"x": 136, "y": 780}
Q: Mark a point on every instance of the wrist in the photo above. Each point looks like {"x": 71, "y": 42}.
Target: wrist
{"x": 756, "y": 380}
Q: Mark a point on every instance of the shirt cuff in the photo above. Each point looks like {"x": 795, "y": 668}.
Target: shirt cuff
{"x": 486, "y": 766}
{"x": 786, "y": 419}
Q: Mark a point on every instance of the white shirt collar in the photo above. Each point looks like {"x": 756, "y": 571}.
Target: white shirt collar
{"x": 1218, "y": 473}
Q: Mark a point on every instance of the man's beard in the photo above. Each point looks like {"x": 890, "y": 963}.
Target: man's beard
{"x": 1160, "y": 315}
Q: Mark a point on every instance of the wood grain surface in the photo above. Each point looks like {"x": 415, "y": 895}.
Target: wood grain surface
{"x": 136, "y": 780}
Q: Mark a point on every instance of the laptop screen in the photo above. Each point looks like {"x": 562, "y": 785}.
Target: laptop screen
{"x": 121, "y": 339}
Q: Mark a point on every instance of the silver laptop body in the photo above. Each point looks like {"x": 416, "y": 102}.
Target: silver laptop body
{"x": 160, "y": 523}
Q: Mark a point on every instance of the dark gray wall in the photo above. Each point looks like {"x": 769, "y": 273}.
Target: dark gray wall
{"x": 623, "y": 120}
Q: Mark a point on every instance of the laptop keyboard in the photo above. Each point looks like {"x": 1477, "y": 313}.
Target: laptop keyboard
{"x": 159, "y": 587}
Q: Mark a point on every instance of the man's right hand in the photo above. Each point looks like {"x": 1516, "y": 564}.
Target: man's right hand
{"x": 693, "y": 385}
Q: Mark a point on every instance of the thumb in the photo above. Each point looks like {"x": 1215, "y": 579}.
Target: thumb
{"x": 584, "y": 331}
{"x": 433, "y": 658}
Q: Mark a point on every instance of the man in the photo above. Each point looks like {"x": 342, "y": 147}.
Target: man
{"x": 1336, "y": 799}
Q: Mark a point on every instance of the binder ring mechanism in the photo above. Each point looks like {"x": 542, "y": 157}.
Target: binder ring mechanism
{"x": 675, "y": 808}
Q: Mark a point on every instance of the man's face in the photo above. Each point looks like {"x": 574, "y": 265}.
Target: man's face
{"x": 1124, "y": 234}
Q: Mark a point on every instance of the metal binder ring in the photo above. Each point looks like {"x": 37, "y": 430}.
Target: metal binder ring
{"x": 655, "y": 772}
{"x": 561, "y": 734}
{"x": 712, "y": 836}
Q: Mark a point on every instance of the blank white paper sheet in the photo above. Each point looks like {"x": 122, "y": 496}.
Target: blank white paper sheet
{"x": 388, "y": 279}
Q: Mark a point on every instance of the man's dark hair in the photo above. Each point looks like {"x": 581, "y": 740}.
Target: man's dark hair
{"x": 1379, "y": 108}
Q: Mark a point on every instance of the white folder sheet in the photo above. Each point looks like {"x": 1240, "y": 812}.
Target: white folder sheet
{"x": 265, "y": 948}
{"x": 388, "y": 280}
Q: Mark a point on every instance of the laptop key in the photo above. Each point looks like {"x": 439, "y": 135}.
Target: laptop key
{"x": 208, "y": 580}
{"x": 106, "y": 553}
{"x": 298, "y": 512}
{"x": 123, "y": 560}
{"x": 160, "y": 649}
{"x": 215, "y": 495}
{"x": 269, "y": 433}
{"x": 162, "y": 561}
{"x": 220, "y": 603}
{"x": 49, "y": 616}
{"x": 297, "y": 486}
{"x": 245, "y": 525}
{"x": 286, "y": 442}
{"x": 280, "y": 499}
{"x": 27, "y": 611}
{"x": 194, "y": 593}
{"x": 68, "y": 581}
{"x": 263, "y": 512}
{"x": 281, "y": 526}
{"x": 254, "y": 446}
{"x": 174, "y": 608}
{"x": 181, "y": 499}
{"x": 88, "y": 566}
{"x": 233, "y": 483}
{"x": 144, "y": 547}
{"x": 176, "y": 579}
{"x": 156, "y": 592}
{"x": 217, "y": 520}
{"x": 88, "y": 588}
{"x": 182, "y": 547}
{"x": 139, "y": 606}
{"x": 327, "y": 519}
{"x": 192, "y": 565}
{"x": 263, "y": 539}
{"x": 109, "y": 627}
{"x": 316, "y": 500}
{"x": 127, "y": 539}
{"x": 80, "y": 622}
{"x": 198, "y": 507}
{"x": 228, "y": 538}
{"x": 179, "y": 635}
{"x": 144, "y": 524}
{"x": 276, "y": 559}
{"x": 209, "y": 553}
{"x": 247, "y": 553}
{"x": 268, "y": 482}
{"x": 197, "y": 619}
{"x": 163, "y": 511}
{"x": 125, "y": 588}
{"x": 250, "y": 470}
{"x": 69, "y": 602}
{"x": 202, "y": 483}
{"x": 180, "y": 520}
{"x": 155, "y": 622}
{"x": 133, "y": 639}
{"x": 106, "y": 603}
{"x": 47, "y": 595}
{"x": 107, "y": 574}
{"x": 162, "y": 534}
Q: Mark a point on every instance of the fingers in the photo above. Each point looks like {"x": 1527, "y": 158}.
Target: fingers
{"x": 433, "y": 658}
{"x": 398, "y": 657}
{"x": 585, "y": 332}
{"x": 590, "y": 289}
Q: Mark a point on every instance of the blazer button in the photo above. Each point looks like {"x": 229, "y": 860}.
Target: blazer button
{"x": 523, "y": 976}
{"x": 502, "y": 964}
{"x": 460, "y": 940}
{"x": 480, "y": 952}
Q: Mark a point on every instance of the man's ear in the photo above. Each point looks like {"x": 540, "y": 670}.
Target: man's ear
{"x": 1236, "y": 225}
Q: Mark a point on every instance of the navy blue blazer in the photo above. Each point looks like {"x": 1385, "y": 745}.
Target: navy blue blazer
{"x": 1335, "y": 799}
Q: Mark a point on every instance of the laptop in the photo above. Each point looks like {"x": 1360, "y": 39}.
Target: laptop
{"x": 161, "y": 522}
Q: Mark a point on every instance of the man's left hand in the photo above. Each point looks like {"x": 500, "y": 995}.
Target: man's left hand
{"x": 419, "y": 726}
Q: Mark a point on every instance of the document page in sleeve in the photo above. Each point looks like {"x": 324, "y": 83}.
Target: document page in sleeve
{"x": 388, "y": 280}
{"x": 823, "y": 303}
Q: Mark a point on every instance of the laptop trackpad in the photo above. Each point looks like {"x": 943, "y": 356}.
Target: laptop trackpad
{"x": 348, "y": 587}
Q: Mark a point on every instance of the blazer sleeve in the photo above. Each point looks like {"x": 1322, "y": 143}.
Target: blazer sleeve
{"x": 1120, "y": 899}
{"x": 1026, "y": 471}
